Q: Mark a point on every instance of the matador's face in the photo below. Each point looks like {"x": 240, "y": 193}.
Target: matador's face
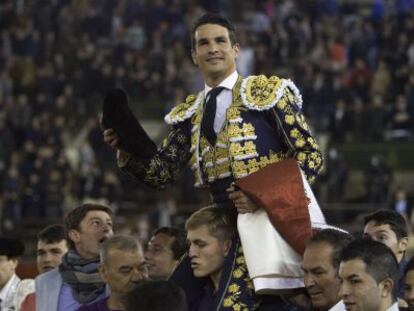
{"x": 214, "y": 53}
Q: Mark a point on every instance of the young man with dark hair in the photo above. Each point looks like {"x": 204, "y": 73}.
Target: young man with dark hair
{"x": 165, "y": 248}
{"x": 390, "y": 228}
{"x": 51, "y": 246}
{"x": 320, "y": 266}
{"x": 231, "y": 129}
{"x": 409, "y": 284}
{"x": 76, "y": 281}
{"x": 156, "y": 295}
{"x": 368, "y": 271}
{"x": 122, "y": 267}
{"x": 74, "y": 219}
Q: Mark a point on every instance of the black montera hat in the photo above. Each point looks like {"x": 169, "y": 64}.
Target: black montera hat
{"x": 118, "y": 116}
{"x": 11, "y": 247}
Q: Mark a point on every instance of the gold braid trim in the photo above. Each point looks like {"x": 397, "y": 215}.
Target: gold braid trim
{"x": 262, "y": 93}
{"x": 184, "y": 110}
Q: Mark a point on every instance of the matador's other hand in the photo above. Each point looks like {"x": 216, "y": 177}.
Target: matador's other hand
{"x": 111, "y": 138}
{"x": 241, "y": 201}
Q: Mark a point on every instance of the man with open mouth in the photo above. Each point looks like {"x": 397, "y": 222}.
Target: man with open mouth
{"x": 76, "y": 281}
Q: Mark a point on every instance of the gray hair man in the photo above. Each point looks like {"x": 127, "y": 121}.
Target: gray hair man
{"x": 122, "y": 267}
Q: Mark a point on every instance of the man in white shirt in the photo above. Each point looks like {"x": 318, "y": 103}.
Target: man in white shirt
{"x": 368, "y": 273}
{"x": 12, "y": 289}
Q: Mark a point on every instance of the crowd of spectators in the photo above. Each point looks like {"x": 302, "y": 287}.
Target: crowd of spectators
{"x": 352, "y": 60}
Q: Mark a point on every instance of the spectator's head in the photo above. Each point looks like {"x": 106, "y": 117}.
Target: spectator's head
{"x": 122, "y": 264}
{"x": 165, "y": 248}
{"x": 320, "y": 267}
{"x": 51, "y": 246}
{"x": 389, "y": 228}
{"x": 409, "y": 284}
{"x": 214, "y": 47}
{"x": 87, "y": 226}
{"x": 368, "y": 271}
{"x": 156, "y": 295}
{"x": 210, "y": 231}
{"x": 10, "y": 251}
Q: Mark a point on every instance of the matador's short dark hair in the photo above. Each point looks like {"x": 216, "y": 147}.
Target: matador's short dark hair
{"x": 215, "y": 19}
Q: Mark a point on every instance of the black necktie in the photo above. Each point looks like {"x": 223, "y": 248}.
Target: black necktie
{"x": 207, "y": 125}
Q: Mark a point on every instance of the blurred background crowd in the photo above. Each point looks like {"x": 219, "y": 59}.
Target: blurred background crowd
{"x": 353, "y": 61}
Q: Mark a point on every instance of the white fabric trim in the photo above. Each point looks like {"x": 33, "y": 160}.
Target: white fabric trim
{"x": 236, "y": 120}
{"x": 268, "y": 285}
{"x": 246, "y": 156}
{"x": 242, "y": 138}
{"x": 224, "y": 175}
{"x": 223, "y": 146}
{"x": 205, "y": 150}
{"x": 223, "y": 160}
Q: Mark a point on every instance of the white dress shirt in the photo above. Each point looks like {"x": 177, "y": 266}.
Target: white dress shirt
{"x": 224, "y": 99}
{"x": 8, "y": 288}
{"x": 394, "y": 307}
{"x": 338, "y": 307}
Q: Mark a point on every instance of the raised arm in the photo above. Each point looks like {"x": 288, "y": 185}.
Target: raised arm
{"x": 165, "y": 165}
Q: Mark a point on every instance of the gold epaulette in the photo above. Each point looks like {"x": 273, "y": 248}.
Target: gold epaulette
{"x": 262, "y": 93}
{"x": 184, "y": 110}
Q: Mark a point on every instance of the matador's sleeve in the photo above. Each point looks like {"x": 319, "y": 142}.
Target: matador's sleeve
{"x": 297, "y": 135}
{"x": 165, "y": 165}
{"x": 162, "y": 166}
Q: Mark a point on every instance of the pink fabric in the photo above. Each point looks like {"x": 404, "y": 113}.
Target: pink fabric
{"x": 29, "y": 303}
